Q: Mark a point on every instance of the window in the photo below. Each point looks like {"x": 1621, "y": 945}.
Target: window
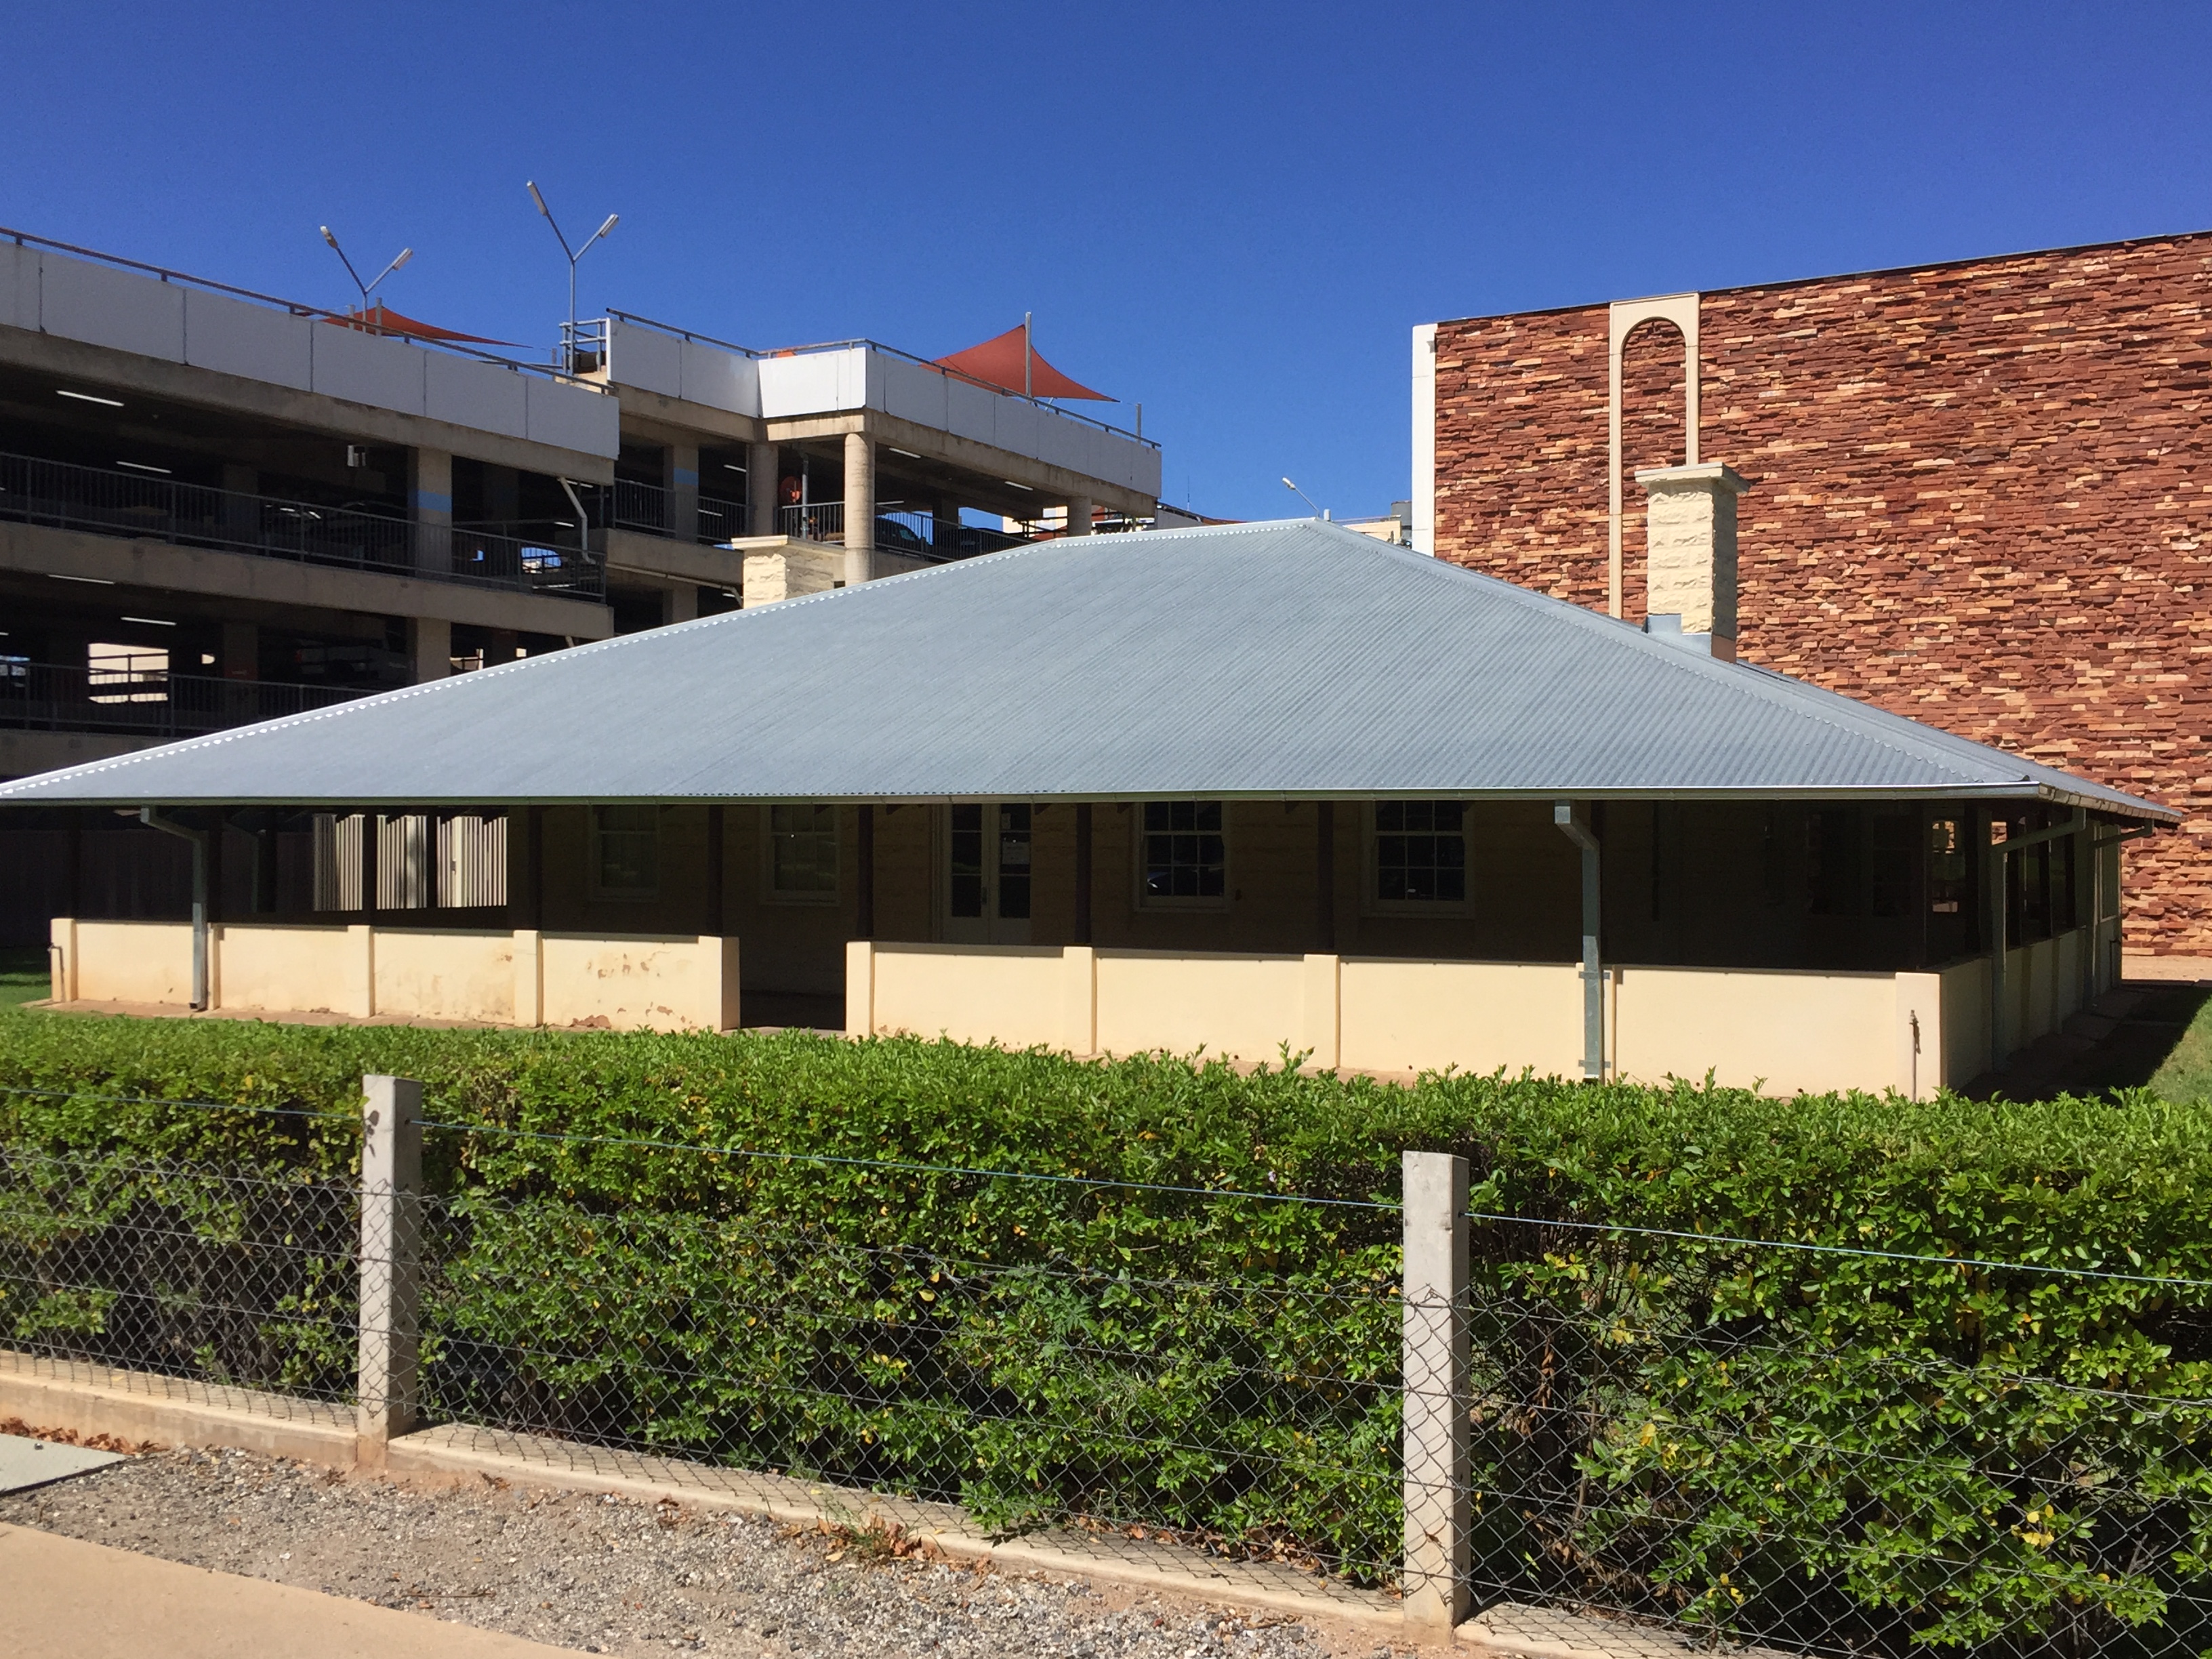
{"x": 1185, "y": 857}
{"x": 802, "y": 854}
{"x": 1421, "y": 853}
{"x": 625, "y": 852}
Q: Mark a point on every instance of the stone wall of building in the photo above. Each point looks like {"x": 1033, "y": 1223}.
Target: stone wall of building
{"x": 1980, "y": 497}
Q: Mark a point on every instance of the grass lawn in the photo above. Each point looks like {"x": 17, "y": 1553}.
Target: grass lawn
{"x": 23, "y": 974}
{"x": 2185, "y": 1071}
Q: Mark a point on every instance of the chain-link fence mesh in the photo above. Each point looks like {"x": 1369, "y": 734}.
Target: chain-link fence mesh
{"x": 1721, "y": 1442}
{"x": 1257, "y": 1419}
{"x": 241, "y": 1279}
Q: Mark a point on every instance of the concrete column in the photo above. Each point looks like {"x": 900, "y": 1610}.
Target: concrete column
{"x": 680, "y": 478}
{"x": 241, "y": 650}
{"x": 860, "y": 507}
{"x": 761, "y": 462}
{"x": 680, "y": 603}
{"x": 430, "y": 500}
{"x": 947, "y": 531}
{"x": 241, "y": 515}
{"x": 1437, "y": 1446}
{"x": 390, "y": 1252}
{"x": 430, "y": 643}
{"x": 1690, "y": 532}
{"x": 1078, "y": 515}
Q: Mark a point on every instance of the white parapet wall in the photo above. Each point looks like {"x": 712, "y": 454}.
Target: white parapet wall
{"x": 620, "y": 982}
{"x": 1783, "y": 1032}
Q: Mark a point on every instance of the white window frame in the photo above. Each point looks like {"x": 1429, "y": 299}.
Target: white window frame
{"x": 1372, "y": 903}
{"x": 605, "y": 894}
{"x": 769, "y": 892}
{"x": 1140, "y": 898}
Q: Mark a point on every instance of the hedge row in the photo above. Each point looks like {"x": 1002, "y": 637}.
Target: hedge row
{"x": 1839, "y": 1446}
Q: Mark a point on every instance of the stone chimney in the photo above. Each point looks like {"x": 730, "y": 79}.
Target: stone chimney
{"x": 1690, "y": 529}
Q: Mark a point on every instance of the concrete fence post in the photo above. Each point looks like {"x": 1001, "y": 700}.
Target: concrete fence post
{"x": 1439, "y": 1509}
{"x": 390, "y": 1254}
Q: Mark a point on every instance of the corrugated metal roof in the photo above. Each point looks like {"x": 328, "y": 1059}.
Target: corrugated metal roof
{"x": 1275, "y": 659}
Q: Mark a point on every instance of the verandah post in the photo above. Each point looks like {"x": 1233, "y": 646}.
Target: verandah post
{"x": 390, "y": 1255}
{"x": 1437, "y": 1447}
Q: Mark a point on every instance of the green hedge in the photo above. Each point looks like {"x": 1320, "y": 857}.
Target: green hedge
{"x": 1851, "y": 1446}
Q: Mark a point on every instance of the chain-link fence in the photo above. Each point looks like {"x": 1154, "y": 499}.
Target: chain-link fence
{"x": 1662, "y": 1437}
{"x": 238, "y": 1279}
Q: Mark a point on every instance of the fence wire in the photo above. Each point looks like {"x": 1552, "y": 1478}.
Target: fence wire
{"x": 233, "y": 1278}
{"x": 1715, "y": 1441}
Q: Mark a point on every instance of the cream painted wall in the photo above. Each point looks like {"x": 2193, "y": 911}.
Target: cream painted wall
{"x": 444, "y": 975}
{"x": 311, "y": 970}
{"x": 1245, "y": 1006}
{"x": 640, "y": 982}
{"x": 1783, "y": 1033}
{"x": 1408, "y": 1015}
{"x": 1786, "y": 1032}
{"x": 659, "y": 982}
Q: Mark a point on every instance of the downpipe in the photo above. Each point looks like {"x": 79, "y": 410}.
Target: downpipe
{"x": 153, "y": 818}
{"x": 1593, "y": 970}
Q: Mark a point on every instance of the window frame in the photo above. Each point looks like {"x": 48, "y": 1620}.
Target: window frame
{"x": 770, "y": 894}
{"x": 1372, "y": 903}
{"x": 1140, "y": 896}
{"x": 601, "y": 893}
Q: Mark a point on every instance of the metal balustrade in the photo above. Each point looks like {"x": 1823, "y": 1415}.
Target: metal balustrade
{"x": 147, "y": 701}
{"x": 34, "y": 490}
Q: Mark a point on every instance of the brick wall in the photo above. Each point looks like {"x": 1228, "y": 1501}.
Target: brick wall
{"x": 1980, "y": 496}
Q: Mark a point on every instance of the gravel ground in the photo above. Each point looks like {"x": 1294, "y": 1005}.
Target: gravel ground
{"x": 616, "y": 1575}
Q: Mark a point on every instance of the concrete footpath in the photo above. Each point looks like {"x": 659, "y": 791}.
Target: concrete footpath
{"x": 67, "y": 1600}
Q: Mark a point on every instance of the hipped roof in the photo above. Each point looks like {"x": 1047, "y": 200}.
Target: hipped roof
{"x": 1270, "y": 660}
{"x": 998, "y": 362}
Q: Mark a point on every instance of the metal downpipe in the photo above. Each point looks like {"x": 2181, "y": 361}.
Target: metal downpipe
{"x": 1593, "y": 970}
{"x": 151, "y": 816}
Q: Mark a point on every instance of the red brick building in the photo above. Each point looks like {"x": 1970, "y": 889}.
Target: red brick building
{"x": 1980, "y": 496}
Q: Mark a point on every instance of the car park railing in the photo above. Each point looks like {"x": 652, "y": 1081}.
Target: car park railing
{"x": 139, "y": 507}
{"x": 147, "y": 701}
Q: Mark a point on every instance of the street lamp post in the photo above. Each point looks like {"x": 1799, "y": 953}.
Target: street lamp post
{"x": 1302, "y": 496}
{"x": 366, "y": 289}
{"x": 568, "y": 341}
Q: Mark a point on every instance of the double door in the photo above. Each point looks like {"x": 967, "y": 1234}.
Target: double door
{"x": 986, "y": 872}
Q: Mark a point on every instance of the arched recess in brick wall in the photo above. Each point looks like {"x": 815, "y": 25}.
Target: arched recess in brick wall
{"x": 1654, "y": 432}
{"x": 1629, "y": 316}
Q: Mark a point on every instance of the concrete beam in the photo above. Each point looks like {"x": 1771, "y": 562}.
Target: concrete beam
{"x": 25, "y": 753}
{"x": 988, "y": 466}
{"x": 667, "y": 559}
{"x": 39, "y": 549}
{"x": 287, "y": 406}
{"x": 661, "y": 419}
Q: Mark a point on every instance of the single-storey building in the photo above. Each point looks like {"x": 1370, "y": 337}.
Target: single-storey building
{"x": 1257, "y": 789}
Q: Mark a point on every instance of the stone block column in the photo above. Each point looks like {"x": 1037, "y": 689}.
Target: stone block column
{"x": 860, "y": 507}
{"x": 761, "y": 461}
{"x": 680, "y": 478}
{"x": 1689, "y": 529}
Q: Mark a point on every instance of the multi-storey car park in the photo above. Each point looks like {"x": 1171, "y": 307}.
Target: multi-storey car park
{"x": 216, "y": 508}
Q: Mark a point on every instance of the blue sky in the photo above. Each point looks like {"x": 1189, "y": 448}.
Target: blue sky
{"x": 1234, "y": 213}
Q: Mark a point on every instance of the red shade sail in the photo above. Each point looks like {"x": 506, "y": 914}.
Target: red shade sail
{"x": 999, "y": 363}
{"x": 383, "y": 319}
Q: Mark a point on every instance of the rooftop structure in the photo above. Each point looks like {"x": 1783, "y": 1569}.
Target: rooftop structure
{"x": 1239, "y": 787}
{"x": 216, "y": 505}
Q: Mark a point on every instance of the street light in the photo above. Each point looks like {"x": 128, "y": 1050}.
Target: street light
{"x": 1302, "y": 496}
{"x": 569, "y": 342}
{"x": 366, "y": 289}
